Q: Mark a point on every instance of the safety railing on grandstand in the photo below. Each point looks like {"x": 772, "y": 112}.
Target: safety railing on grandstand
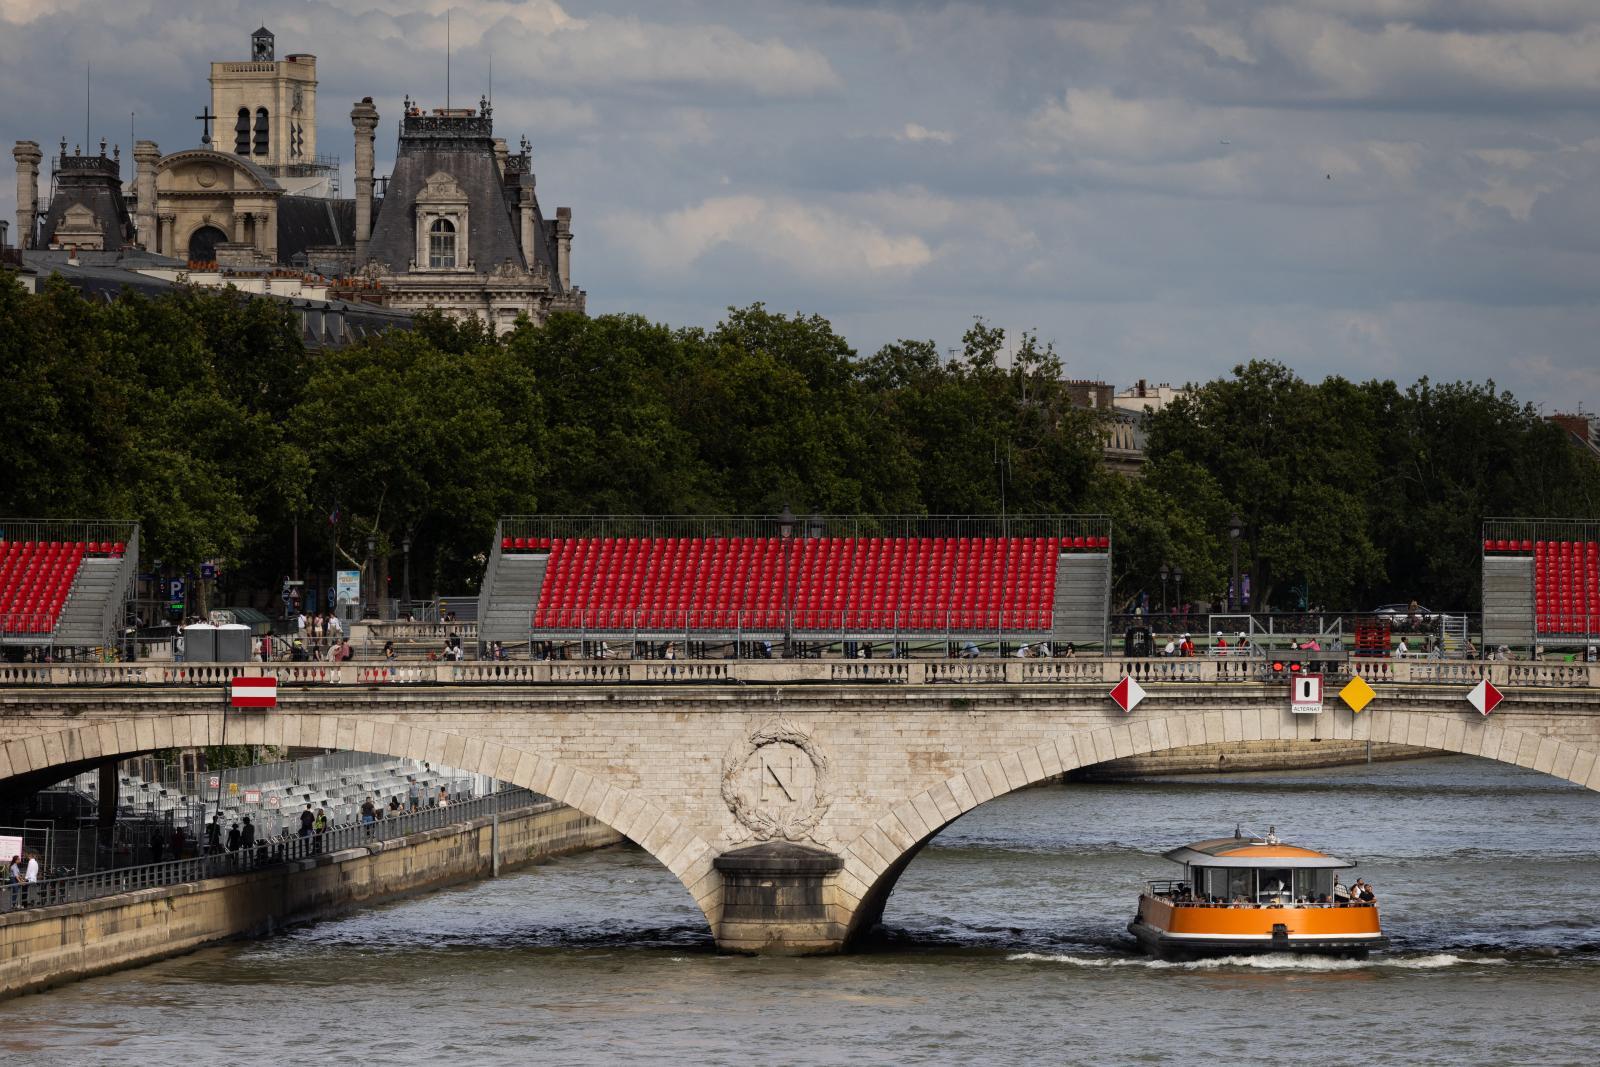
{"x": 1574, "y": 672}
{"x": 535, "y": 532}
{"x": 267, "y": 853}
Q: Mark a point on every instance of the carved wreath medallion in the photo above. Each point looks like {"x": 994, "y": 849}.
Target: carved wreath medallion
{"x": 779, "y": 784}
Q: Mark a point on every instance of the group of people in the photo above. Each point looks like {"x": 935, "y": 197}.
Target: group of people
{"x": 239, "y": 838}
{"x": 22, "y": 873}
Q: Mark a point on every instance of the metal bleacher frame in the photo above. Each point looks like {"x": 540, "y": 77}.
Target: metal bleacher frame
{"x": 1090, "y": 534}
{"x": 104, "y": 531}
{"x": 1512, "y": 614}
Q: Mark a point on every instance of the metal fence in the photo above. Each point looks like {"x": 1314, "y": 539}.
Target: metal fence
{"x": 267, "y": 853}
{"x": 846, "y": 526}
{"x": 64, "y": 530}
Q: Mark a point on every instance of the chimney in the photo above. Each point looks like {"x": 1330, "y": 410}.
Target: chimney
{"x": 564, "y": 246}
{"x": 500, "y": 153}
{"x": 145, "y": 157}
{"x": 530, "y": 225}
{"x": 28, "y": 157}
{"x": 365, "y": 118}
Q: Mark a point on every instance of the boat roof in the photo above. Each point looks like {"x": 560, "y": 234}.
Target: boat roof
{"x": 1253, "y": 852}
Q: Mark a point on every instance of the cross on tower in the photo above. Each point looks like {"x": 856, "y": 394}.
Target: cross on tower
{"x": 206, "y": 118}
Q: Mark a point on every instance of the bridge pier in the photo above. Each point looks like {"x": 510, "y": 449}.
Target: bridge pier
{"x": 775, "y": 902}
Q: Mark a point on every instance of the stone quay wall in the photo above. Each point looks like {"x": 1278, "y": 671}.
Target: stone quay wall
{"x": 44, "y": 947}
{"x": 1238, "y": 756}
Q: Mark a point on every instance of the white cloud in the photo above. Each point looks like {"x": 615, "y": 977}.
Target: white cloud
{"x": 916, "y": 132}
{"x": 806, "y": 239}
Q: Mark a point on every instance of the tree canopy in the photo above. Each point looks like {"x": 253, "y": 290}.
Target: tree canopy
{"x": 203, "y": 416}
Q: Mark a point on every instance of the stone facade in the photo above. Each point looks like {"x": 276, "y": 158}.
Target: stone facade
{"x": 459, "y": 229}
{"x": 866, "y": 773}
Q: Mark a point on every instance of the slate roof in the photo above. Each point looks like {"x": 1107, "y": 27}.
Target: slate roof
{"x": 306, "y": 222}
{"x": 462, "y": 147}
{"x": 94, "y": 182}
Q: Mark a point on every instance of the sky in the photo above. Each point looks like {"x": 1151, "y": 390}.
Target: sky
{"x": 1161, "y": 188}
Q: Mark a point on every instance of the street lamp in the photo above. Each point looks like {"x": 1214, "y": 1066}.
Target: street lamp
{"x": 405, "y": 581}
{"x": 1235, "y": 529}
{"x": 1177, "y": 581}
{"x": 786, "y": 530}
{"x": 372, "y": 576}
{"x": 1164, "y": 572}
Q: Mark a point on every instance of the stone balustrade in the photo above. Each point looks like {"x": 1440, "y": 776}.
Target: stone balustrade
{"x": 1082, "y": 671}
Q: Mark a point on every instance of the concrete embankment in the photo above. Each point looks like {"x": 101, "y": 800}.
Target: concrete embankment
{"x": 41, "y": 947}
{"x": 1249, "y": 756}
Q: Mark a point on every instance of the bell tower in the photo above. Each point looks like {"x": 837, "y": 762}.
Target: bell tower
{"x": 267, "y": 109}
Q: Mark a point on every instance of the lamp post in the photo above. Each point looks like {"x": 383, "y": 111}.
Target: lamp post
{"x": 405, "y": 580}
{"x": 1164, "y": 572}
{"x": 1177, "y": 581}
{"x": 372, "y": 576}
{"x": 786, "y": 531}
{"x": 1235, "y": 529}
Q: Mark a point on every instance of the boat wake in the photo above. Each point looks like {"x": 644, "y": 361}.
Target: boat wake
{"x": 1270, "y": 962}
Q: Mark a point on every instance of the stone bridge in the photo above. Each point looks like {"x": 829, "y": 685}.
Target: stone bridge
{"x": 787, "y": 797}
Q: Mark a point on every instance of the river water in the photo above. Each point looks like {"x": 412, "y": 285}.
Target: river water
{"x": 1005, "y": 944}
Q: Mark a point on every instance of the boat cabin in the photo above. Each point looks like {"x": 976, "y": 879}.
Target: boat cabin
{"x": 1241, "y": 870}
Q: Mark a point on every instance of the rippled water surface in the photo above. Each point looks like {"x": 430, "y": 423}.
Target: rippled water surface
{"x": 1005, "y": 944}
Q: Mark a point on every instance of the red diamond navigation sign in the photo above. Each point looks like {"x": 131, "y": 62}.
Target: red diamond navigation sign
{"x": 254, "y": 693}
{"x": 1127, "y": 694}
{"x": 1485, "y": 697}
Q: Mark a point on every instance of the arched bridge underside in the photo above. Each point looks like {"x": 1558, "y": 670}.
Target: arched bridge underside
{"x": 788, "y": 812}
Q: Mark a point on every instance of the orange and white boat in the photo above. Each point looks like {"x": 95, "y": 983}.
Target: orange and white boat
{"x": 1242, "y": 895}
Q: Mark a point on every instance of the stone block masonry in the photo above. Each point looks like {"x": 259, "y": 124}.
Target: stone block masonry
{"x": 43, "y": 947}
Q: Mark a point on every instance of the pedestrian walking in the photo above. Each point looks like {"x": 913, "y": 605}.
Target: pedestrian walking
{"x": 157, "y": 844}
{"x": 369, "y": 815}
{"x": 414, "y": 794}
{"x": 233, "y": 837}
{"x": 247, "y": 834}
{"x": 214, "y": 835}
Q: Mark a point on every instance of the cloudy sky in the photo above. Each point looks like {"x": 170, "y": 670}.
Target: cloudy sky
{"x": 1162, "y": 188}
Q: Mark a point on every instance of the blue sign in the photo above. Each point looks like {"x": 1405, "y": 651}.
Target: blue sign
{"x": 175, "y": 589}
{"x": 208, "y": 571}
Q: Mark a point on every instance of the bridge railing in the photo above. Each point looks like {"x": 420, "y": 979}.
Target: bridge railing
{"x": 269, "y": 852}
{"x": 1075, "y": 671}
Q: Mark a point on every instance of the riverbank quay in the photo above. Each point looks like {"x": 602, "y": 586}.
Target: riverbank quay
{"x": 53, "y": 943}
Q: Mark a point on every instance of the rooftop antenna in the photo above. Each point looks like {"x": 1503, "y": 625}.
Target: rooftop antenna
{"x": 86, "y": 96}
{"x": 447, "y": 59}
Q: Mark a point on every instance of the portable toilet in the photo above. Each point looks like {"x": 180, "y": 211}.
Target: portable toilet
{"x": 200, "y": 643}
{"x": 233, "y": 643}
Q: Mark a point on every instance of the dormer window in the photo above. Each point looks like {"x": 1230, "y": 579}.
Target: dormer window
{"x": 442, "y": 245}
{"x": 442, "y": 233}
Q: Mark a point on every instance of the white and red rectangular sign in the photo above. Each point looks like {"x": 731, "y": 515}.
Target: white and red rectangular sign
{"x": 254, "y": 693}
{"x": 1305, "y": 694}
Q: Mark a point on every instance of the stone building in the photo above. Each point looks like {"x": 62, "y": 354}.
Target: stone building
{"x": 459, "y": 228}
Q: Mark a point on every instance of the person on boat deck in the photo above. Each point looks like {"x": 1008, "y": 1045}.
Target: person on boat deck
{"x": 1341, "y": 892}
{"x": 1273, "y": 888}
{"x": 1362, "y": 892}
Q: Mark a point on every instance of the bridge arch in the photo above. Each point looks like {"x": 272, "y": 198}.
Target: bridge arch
{"x": 660, "y": 833}
{"x": 875, "y": 859}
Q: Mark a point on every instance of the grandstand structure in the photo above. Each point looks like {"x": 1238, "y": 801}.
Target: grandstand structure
{"x": 65, "y": 582}
{"x": 1541, "y": 582}
{"x": 809, "y": 582}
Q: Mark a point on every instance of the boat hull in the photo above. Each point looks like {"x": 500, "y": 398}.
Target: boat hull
{"x": 1191, "y": 931}
{"x": 1168, "y": 946}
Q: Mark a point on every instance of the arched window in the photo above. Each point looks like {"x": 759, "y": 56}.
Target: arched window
{"x": 261, "y": 131}
{"x": 442, "y": 245}
{"x": 241, "y": 133}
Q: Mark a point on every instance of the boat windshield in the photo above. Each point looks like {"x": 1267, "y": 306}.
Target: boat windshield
{"x": 1249, "y": 885}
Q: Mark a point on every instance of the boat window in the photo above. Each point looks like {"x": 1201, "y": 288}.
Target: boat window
{"x": 1275, "y": 882}
{"x": 1239, "y": 883}
{"x": 1313, "y": 885}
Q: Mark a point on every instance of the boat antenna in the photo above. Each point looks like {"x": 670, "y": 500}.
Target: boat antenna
{"x": 1238, "y": 830}
{"x": 1272, "y": 835}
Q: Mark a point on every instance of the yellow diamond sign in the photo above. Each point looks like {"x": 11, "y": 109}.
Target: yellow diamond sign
{"x": 1358, "y": 694}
